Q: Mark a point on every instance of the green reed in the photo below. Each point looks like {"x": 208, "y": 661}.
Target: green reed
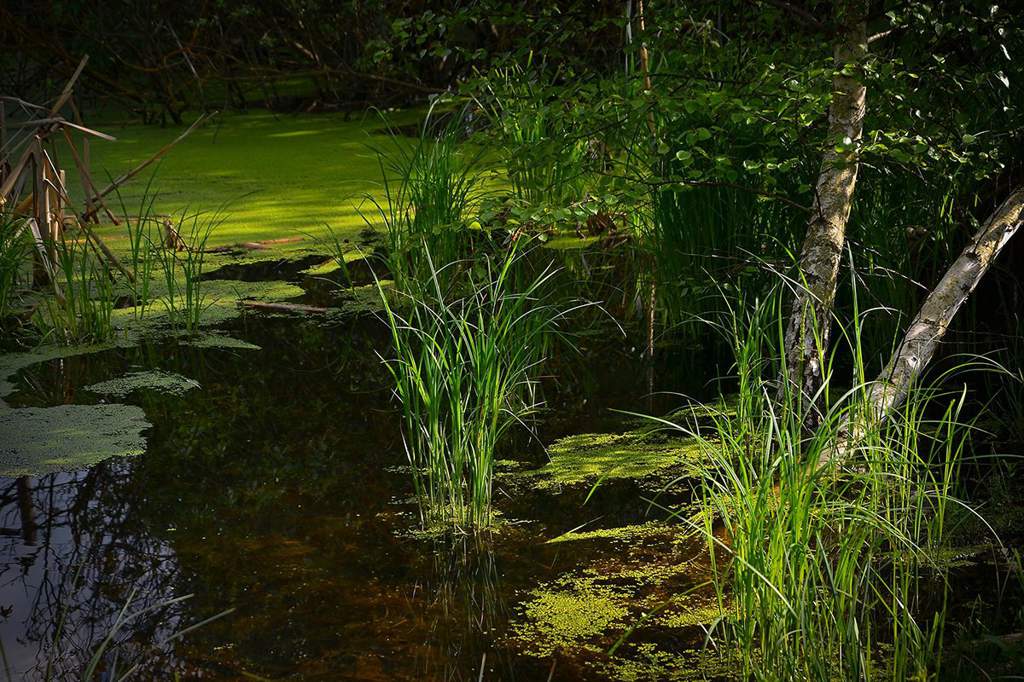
{"x": 464, "y": 372}
{"x": 703, "y": 240}
{"x": 185, "y": 298}
{"x": 429, "y": 186}
{"x": 337, "y": 249}
{"x": 545, "y": 158}
{"x": 818, "y": 567}
{"x": 81, "y": 308}
{"x": 142, "y": 255}
{"x": 14, "y": 252}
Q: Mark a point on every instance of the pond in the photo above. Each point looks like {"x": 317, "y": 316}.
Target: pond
{"x": 268, "y": 529}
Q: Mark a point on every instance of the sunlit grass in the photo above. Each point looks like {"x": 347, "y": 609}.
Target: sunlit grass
{"x": 820, "y": 540}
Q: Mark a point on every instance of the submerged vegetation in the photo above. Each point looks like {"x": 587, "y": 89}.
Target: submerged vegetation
{"x": 651, "y": 341}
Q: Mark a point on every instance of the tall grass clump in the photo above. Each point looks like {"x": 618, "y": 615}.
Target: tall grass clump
{"x": 821, "y": 546}
{"x": 83, "y": 302}
{"x": 545, "y": 158}
{"x": 14, "y": 251}
{"x": 429, "y": 185}
{"x": 703, "y": 240}
{"x": 904, "y": 236}
{"x": 142, "y": 253}
{"x": 185, "y": 298}
{"x": 464, "y": 371}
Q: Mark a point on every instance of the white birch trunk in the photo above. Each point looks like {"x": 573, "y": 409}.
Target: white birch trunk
{"x": 938, "y": 310}
{"x": 808, "y": 330}
{"x": 930, "y": 325}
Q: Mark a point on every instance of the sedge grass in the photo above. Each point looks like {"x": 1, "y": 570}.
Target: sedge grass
{"x": 545, "y": 159}
{"x": 81, "y": 310}
{"x": 185, "y": 298}
{"x": 429, "y": 187}
{"x": 142, "y": 255}
{"x": 818, "y": 570}
{"x": 464, "y": 371}
{"x": 14, "y": 251}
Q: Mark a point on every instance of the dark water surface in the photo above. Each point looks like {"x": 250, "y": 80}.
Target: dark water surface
{"x": 275, "y": 497}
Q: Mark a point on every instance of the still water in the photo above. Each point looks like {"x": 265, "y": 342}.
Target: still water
{"x": 268, "y": 530}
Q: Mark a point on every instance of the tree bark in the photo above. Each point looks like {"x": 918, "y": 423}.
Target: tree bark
{"x": 808, "y": 329}
{"x": 929, "y": 326}
{"x": 933, "y": 319}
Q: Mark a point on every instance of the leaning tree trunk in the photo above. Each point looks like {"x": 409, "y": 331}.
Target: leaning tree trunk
{"x": 930, "y": 325}
{"x": 937, "y": 312}
{"x": 808, "y": 330}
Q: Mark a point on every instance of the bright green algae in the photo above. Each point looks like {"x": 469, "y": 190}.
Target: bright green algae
{"x": 42, "y": 440}
{"x": 572, "y": 614}
{"x": 223, "y": 300}
{"x": 168, "y": 383}
{"x": 647, "y": 662}
{"x": 649, "y": 583}
{"x": 629, "y": 533}
{"x": 279, "y": 176}
{"x": 221, "y": 341}
{"x": 591, "y": 457}
{"x": 587, "y": 611}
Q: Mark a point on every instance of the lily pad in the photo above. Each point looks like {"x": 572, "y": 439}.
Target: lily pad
{"x": 35, "y": 441}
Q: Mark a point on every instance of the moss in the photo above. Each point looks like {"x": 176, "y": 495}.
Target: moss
{"x": 38, "y": 441}
{"x": 590, "y": 457}
{"x": 162, "y": 382}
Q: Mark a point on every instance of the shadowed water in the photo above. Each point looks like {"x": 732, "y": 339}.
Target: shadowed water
{"x": 274, "y": 501}
{"x": 268, "y": 531}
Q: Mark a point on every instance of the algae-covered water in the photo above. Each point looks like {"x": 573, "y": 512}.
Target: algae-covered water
{"x": 258, "y": 479}
{"x": 237, "y": 504}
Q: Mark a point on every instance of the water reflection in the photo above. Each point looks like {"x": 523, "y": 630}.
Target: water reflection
{"x": 74, "y": 560}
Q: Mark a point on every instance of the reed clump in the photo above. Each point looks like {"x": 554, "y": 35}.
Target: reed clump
{"x": 824, "y": 563}
{"x": 465, "y": 371}
{"x": 80, "y": 309}
{"x": 469, "y": 333}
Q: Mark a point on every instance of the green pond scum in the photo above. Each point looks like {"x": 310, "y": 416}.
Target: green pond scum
{"x": 488, "y": 341}
{"x": 215, "y": 340}
{"x": 652, "y": 457}
{"x": 588, "y": 611}
{"x": 168, "y": 383}
{"x": 277, "y": 177}
{"x": 39, "y": 441}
